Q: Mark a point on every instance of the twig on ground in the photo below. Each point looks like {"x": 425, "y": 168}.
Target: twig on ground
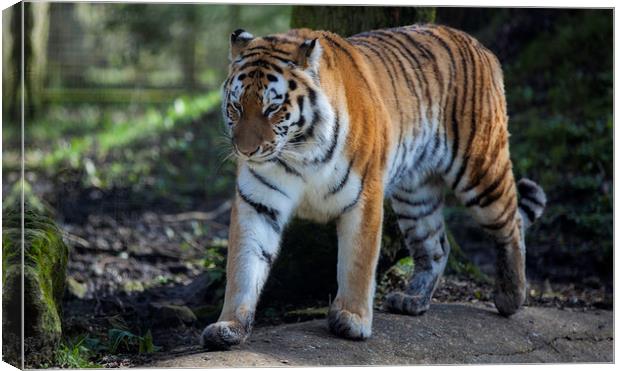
{"x": 197, "y": 215}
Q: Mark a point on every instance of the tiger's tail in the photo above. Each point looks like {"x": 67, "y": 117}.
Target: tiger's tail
{"x": 532, "y": 201}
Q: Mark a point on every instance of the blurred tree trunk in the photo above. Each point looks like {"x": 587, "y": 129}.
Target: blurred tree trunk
{"x": 347, "y": 21}
{"x": 188, "y": 54}
{"x": 34, "y": 41}
{"x": 37, "y": 58}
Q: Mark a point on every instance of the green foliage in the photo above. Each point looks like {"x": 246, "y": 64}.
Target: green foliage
{"x": 174, "y": 151}
{"x": 215, "y": 260}
{"x": 82, "y": 351}
{"x": 560, "y": 91}
{"x": 459, "y": 264}
{"x": 121, "y": 340}
{"x": 77, "y": 353}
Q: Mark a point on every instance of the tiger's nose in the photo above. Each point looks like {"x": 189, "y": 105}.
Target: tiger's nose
{"x": 248, "y": 150}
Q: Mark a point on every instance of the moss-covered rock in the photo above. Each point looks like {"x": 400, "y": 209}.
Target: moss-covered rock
{"x": 45, "y": 260}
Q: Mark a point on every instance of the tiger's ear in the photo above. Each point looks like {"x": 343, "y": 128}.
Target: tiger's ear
{"x": 309, "y": 55}
{"x": 239, "y": 39}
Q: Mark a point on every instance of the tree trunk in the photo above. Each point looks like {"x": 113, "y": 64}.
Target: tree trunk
{"x": 347, "y": 20}
{"x": 37, "y": 58}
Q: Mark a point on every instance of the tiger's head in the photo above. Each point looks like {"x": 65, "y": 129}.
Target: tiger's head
{"x": 272, "y": 97}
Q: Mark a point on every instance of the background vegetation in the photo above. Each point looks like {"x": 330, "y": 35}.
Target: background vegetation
{"x": 123, "y": 141}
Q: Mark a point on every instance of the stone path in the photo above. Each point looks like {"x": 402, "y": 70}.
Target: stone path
{"x": 447, "y": 334}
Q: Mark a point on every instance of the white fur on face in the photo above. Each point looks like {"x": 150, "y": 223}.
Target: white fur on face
{"x": 236, "y": 90}
{"x": 275, "y": 91}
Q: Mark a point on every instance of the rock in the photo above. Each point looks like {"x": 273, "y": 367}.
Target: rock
{"x": 45, "y": 258}
{"x": 170, "y": 315}
{"x": 446, "y": 334}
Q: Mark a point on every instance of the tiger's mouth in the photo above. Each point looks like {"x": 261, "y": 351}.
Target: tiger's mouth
{"x": 259, "y": 157}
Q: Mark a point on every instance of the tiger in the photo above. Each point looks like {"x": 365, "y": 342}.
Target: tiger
{"x": 326, "y": 128}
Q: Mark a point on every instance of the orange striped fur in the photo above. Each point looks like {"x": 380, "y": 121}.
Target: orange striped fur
{"x": 326, "y": 127}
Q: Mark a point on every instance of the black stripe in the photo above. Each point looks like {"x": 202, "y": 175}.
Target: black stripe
{"x": 264, "y": 181}
{"x": 488, "y": 190}
{"x": 413, "y": 88}
{"x": 387, "y": 67}
{"x": 427, "y": 53}
{"x": 302, "y": 120}
{"x": 464, "y": 93}
{"x": 472, "y": 127}
{"x": 355, "y": 201}
{"x": 264, "y": 255}
{"x": 410, "y": 85}
{"x": 429, "y": 234}
{"x": 343, "y": 181}
{"x": 459, "y": 175}
{"x": 411, "y": 203}
{"x": 497, "y": 195}
{"x": 533, "y": 200}
{"x": 330, "y": 151}
{"x": 491, "y": 159}
{"x": 344, "y": 50}
{"x": 288, "y": 169}
{"x": 261, "y": 63}
{"x": 426, "y": 213}
{"x": 312, "y": 96}
{"x": 402, "y": 49}
{"x": 502, "y": 221}
{"x": 359, "y": 194}
{"x": 529, "y": 212}
{"x": 452, "y": 65}
{"x": 455, "y": 132}
{"x": 269, "y": 213}
{"x": 309, "y": 131}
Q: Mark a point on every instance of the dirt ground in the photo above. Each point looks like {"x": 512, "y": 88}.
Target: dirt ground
{"x": 140, "y": 268}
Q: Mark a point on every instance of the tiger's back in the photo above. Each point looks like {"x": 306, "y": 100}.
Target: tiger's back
{"x": 442, "y": 90}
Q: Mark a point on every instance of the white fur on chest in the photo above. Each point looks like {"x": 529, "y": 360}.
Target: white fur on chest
{"x": 326, "y": 193}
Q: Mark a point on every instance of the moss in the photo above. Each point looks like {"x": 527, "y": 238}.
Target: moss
{"x": 305, "y": 314}
{"x": 45, "y": 260}
{"x": 459, "y": 264}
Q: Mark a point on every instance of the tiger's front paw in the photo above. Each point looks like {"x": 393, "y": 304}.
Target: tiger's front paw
{"x": 399, "y": 302}
{"x": 349, "y": 325}
{"x": 222, "y": 335}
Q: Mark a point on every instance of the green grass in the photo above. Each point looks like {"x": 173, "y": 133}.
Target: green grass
{"x": 113, "y": 136}
{"x": 85, "y": 350}
{"x": 172, "y": 152}
{"x": 76, "y": 353}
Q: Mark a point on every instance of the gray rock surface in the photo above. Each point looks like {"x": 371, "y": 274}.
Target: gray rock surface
{"x": 447, "y": 334}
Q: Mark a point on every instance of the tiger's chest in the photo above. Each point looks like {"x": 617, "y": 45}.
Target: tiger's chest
{"x": 329, "y": 192}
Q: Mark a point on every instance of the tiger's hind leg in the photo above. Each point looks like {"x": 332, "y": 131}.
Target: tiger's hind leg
{"x": 420, "y": 218}
{"x": 492, "y": 201}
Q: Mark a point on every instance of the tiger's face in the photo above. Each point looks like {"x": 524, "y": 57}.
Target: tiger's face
{"x": 269, "y": 95}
